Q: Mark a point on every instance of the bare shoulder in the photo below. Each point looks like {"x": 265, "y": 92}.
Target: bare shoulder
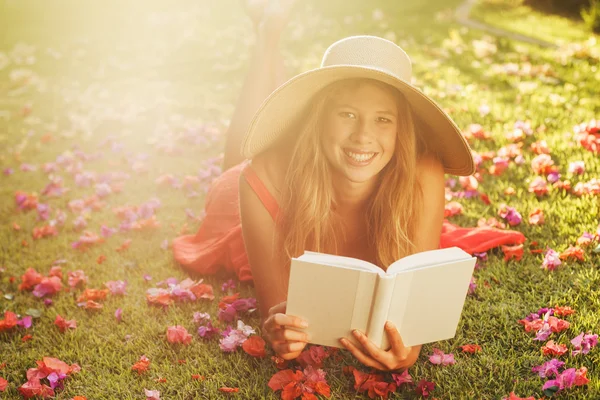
{"x": 270, "y": 169}
{"x": 430, "y": 172}
{"x": 431, "y": 179}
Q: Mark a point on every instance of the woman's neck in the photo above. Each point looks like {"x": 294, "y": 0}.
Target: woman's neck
{"x": 352, "y": 198}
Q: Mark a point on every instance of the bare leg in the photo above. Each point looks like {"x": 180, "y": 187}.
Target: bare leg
{"x": 265, "y": 74}
{"x": 280, "y": 72}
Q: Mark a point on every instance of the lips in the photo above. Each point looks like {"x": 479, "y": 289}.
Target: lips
{"x": 359, "y": 158}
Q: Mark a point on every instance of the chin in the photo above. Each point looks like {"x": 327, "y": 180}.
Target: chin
{"x": 361, "y": 177}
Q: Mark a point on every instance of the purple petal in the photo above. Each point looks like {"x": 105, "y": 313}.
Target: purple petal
{"x": 549, "y": 368}
{"x": 544, "y": 332}
{"x": 550, "y": 384}
{"x": 404, "y": 377}
{"x": 228, "y": 314}
{"x": 107, "y": 232}
{"x": 164, "y": 244}
{"x": 25, "y": 322}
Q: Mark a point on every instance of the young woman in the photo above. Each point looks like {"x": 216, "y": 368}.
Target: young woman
{"x": 347, "y": 159}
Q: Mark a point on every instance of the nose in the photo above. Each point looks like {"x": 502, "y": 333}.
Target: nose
{"x": 362, "y": 133}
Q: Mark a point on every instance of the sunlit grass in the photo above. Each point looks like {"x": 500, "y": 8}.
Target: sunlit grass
{"x": 517, "y": 17}
{"x": 145, "y": 93}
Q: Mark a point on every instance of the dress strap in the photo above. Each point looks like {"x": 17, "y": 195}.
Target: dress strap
{"x": 261, "y": 191}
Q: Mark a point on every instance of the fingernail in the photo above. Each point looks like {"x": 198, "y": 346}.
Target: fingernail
{"x": 343, "y": 341}
{"x": 356, "y": 332}
{"x": 304, "y": 324}
{"x": 390, "y": 325}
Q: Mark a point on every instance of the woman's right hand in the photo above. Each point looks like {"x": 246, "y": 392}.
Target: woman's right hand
{"x": 288, "y": 343}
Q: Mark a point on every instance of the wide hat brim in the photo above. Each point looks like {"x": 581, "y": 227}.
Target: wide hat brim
{"x": 285, "y": 105}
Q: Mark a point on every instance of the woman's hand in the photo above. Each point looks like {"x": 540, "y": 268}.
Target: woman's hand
{"x": 287, "y": 343}
{"x": 398, "y": 356}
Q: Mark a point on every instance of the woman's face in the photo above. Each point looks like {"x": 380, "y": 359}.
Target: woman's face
{"x": 359, "y": 132}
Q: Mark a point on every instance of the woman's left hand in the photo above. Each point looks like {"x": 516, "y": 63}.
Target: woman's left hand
{"x": 397, "y": 357}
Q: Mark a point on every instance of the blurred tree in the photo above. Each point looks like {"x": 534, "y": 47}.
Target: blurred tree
{"x": 591, "y": 16}
{"x": 588, "y": 10}
{"x": 570, "y": 8}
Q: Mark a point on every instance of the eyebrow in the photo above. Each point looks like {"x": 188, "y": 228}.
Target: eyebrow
{"x": 389, "y": 112}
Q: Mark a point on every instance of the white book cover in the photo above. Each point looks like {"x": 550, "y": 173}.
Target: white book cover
{"x": 422, "y": 294}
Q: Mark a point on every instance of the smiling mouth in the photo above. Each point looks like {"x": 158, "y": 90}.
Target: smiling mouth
{"x": 360, "y": 158}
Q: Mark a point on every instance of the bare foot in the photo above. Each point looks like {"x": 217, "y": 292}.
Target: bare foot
{"x": 255, "y": 10}
{"x": 275, "y": 17}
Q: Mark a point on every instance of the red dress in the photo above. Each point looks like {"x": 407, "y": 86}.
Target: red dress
{"x": 219, "y": 242}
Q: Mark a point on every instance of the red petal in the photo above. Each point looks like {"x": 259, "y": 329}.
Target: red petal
{"x": 225, "y": 300}
{"x": 255, "y": 346}
{"x": 323, "y": 389}
{"x": 3, "y": 384}
{"x": 56, "y": 364}
{"x": 512, "y": 252}
{"x": 291, "y": 391}
{"x": 203, "y": 291}
{"x": 282, "y": 378}
{"x": 229, "y": 390}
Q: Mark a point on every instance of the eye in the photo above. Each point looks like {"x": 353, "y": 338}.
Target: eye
{"x": 384, "y": 120}
{"x": 346, "y": 114}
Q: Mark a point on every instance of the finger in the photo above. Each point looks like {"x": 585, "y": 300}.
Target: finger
{"x": 369, "y": 347}
{"x": 394, "y": 338}
{"x": 278, "y": 308}
{"x": 289, "y": 356}
{"x": 289, "y": 321}
{"x": 288, "y": 347}
{"x": 360, "y": 356}
{"x": 272, "y": 323}
{"x": 290, "y": 335}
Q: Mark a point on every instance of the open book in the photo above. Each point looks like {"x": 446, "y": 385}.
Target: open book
{"x": 422, "y": 294}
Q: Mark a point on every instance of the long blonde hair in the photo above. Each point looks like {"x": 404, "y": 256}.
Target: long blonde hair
{"x": 308, "y": 220}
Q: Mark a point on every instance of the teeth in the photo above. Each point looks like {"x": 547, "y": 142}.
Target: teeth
{"x": 362, "y": 157}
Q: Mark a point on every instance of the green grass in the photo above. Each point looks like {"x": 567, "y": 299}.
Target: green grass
{"x": 145, "y": 84}
{"x": 513, "y": 15}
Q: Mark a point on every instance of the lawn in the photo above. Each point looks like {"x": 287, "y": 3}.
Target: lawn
{"x": 112, "y": 122}
{"x": 515, "y": 16}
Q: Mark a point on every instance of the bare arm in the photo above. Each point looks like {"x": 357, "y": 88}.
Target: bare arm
{"x": 258, "y": 229}
{"x": 270, "y": 273}
{"x": 429, "y": 227}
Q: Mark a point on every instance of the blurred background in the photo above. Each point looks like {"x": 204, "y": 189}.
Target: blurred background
{"x": 150, "y": 62}
{"x": 141, "y": 68}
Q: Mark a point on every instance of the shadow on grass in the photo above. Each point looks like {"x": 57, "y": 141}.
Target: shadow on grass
{"x": 564, "y": 10}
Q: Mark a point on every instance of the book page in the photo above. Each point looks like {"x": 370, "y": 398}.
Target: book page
{"x": 333, "y": 300}
{"x": 427, "y": 258}
{"x": 341, "y": 261}
{"x": 428, "y": 309}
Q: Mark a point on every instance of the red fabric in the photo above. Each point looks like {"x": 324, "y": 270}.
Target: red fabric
{"x": 261, "y": 191}
{"x": 219, "y": 242}
{"x": 479, "y": 239}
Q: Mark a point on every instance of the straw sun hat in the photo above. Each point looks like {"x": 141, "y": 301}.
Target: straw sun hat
{"x": 360, "y": 57}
